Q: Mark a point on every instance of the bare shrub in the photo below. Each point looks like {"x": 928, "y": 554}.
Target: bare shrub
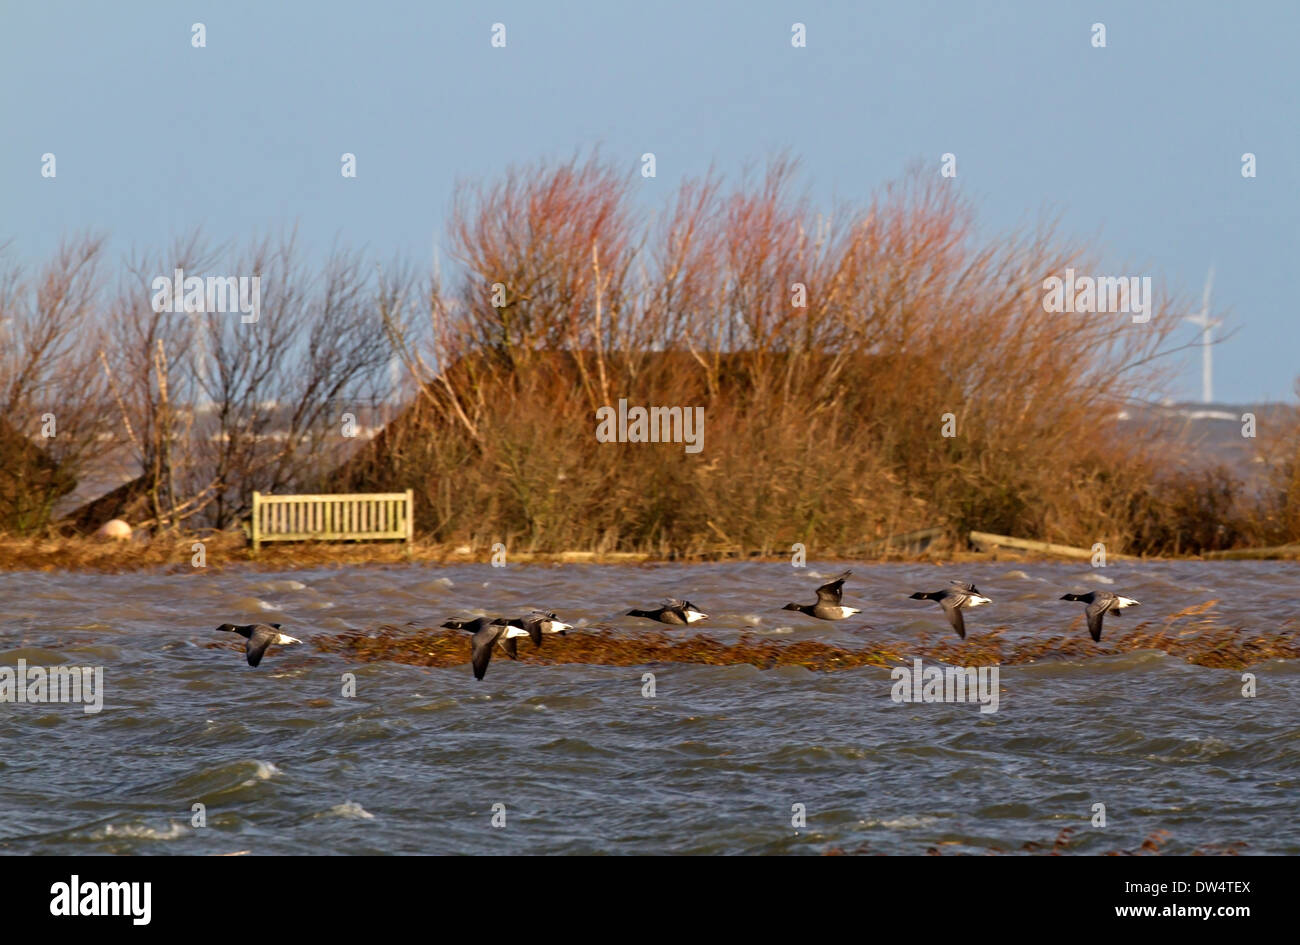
{"x": 823, "y": 422}
{"x": 50, "y": 382}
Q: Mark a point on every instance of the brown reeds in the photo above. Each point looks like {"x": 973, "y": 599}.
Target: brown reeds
{"x": 1192, "y": 635}
{"x": 176, "y": 549}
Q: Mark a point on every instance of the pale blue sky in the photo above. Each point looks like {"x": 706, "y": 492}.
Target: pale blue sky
{"x": 1136, "y": 146}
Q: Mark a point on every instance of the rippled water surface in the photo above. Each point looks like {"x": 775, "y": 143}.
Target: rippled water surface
{"x": 584, "y": 763}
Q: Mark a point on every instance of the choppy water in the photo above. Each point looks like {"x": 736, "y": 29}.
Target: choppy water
{"x": 585, "y": 764}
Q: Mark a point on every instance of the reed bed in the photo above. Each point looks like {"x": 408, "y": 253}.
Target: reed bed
{"x": 1192, "y": 635}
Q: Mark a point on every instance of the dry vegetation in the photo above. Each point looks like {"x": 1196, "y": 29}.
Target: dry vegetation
{"x": 822, "y": 420}
{"x": 175, "y": 548}
{"x": 195, "y": 410}
{"x": 55, "y": 413}
{"x": 1193, "y": 634}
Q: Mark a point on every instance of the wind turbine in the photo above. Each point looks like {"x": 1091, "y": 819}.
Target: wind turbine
{"x": 1205, "y": 323}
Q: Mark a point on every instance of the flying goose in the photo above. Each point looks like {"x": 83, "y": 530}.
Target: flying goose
{"x": 828, "y": 606}
{"x": 677, "y": 613}
{"x": 956, "y": 596}
{"x": 1099, "y": 604}
{"x": 545, "y": 623}
{"x": 258, "y": 637}
{"x": 487, "y": 633}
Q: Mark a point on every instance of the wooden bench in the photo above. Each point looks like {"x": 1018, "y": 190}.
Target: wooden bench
{"x": 366, "y": 516}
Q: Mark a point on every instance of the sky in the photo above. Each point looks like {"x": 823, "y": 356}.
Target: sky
{"x": 1135, "y": 148}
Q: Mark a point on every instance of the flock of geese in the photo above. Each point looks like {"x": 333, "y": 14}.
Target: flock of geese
{"x": 487, "y": 633}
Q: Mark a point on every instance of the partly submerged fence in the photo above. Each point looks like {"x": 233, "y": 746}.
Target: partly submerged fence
{"x": 374, "y": 516}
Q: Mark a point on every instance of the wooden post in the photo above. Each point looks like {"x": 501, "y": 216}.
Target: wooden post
{"x": 1041, "y": 547}
{"x": 1254, "y": 554}
{"x": 256, "y": 531}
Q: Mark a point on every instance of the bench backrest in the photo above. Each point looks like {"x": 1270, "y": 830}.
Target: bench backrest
{"x": 359, "y": 516}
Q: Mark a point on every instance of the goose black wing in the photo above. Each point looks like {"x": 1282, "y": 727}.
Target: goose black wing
{"x": 952, "y": 607}
{"x": 258, "y": 641}
{"x": 481, "y": 654}
{"x": 534, "y": 627}
{"x": 832, "y": 592}
{"x": 1095, "y": 612}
